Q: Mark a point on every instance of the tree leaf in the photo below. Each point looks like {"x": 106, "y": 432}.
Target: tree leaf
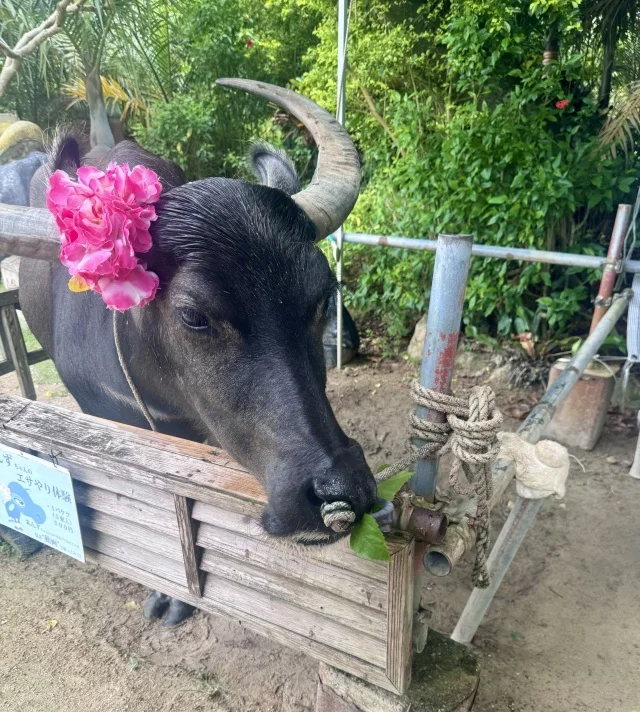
{"x": 367, "y": 541}
{"x": 389, "y": 488}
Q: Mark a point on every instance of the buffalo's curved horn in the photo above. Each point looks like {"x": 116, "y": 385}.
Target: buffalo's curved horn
{"x": 29, "y": 232}
{"x": 333, "y": 191}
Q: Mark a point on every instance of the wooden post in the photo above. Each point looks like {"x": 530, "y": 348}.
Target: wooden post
{"x": 14, "y": 341}
{"x": 191, "y": 555}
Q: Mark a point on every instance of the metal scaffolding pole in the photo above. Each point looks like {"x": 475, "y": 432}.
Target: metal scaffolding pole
{"x": 450, "y": 272}
{"x": 343, "y": 6}
{"x": 524, "y": 512}
{"x": 508, "y": 253}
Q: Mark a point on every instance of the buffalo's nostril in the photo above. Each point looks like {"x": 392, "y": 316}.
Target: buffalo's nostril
{"x": 313, "y": 498}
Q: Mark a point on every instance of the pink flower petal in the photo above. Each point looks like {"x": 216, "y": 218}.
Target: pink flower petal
{"x": 104, "y": 220}
{"x": 137, "y": 289}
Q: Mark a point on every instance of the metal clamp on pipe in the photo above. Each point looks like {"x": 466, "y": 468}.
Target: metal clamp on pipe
{"x": 440, "y": 559}
{"x": 415, "y": 515}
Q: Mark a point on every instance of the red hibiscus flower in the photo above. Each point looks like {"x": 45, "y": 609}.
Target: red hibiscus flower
{"x": 562, "y": 103}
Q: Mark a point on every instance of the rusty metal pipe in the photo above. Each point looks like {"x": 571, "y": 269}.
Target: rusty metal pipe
{"x": 425, "y": 524}
{"x": 450, "y": 272}
{"x": 612, "y": 266}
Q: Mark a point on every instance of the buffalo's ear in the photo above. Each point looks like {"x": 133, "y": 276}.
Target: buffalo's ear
{"x": 273, "y": 168}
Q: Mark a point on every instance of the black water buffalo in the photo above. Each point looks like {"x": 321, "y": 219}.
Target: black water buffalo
{"x": 231, "y": 349}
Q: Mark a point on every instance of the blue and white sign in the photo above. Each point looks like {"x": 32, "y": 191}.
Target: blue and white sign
{"x": 36, "y": 499}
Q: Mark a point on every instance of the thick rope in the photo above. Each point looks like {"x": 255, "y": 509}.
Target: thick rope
{"x": 470, "y": 434}
{"x": 127, "y": 375}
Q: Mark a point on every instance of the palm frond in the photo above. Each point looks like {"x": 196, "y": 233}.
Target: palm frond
{"x": 623, "y": 123}
{"x": 125, "y": 99}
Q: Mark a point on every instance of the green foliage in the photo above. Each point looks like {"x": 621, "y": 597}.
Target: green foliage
{"x": 503, "y": 160}
{"x": 206, "y": 128}
{"x": 367, "y": 541}
{"x": 389, "y": 488}
{"x": 459, "y": 127}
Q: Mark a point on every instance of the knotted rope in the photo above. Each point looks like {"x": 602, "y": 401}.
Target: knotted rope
{"x": 470, "y": 434}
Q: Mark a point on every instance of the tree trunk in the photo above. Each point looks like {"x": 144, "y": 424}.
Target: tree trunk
{"x": 100, "y": 134}
{"x": 609, "y": 40}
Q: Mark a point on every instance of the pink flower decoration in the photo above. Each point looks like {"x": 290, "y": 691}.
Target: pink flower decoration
{"x": 104, "y": 220}
{"x": 562, "y": 103}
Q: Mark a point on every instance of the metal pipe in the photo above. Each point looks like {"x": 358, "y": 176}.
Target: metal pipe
{"x": 611, "y": 268}
{"x": 513, "y": 532}
{"x": 340, "y": 113}
{"x": 635, "y": 467}
{"x": 509, "y": 253}
{"x": 450, "y": 272}
{"x": 532, "y": 428}
{"x": 525, "y": 511}
{"x": 440, "y": 559}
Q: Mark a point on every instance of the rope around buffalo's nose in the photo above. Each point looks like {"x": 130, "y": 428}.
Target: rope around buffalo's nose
{"x": 470, "y": 434}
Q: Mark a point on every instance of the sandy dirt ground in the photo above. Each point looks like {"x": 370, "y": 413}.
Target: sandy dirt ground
{"x": 563, "y": 634}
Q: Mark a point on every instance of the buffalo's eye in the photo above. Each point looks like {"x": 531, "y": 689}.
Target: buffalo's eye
{"x": 194, "y": 319}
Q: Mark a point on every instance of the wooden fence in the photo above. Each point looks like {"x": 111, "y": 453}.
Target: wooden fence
{"x": 183, "y": 518}
{"x": 16, "y": 356}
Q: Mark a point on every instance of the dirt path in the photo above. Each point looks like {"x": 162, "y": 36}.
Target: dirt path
{"x": 562, "y": 636}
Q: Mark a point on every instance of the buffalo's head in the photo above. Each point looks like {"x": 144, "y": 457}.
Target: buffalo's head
{"x": 233, "y": 340}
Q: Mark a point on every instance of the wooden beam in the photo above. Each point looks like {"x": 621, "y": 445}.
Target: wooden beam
{"x": 280, "y": 587}
{"x": 77, "y": 433}
{"x": 131, "y": 510}
{"x": 29, "y": 232}
{"x": 157, "y": 542}
{"x": 133, "y": 555}
{"x": 134, "y": 490}
{"x": 17, "y": 350}
{"x": 400, "y": 623}
{"x": 33, "y": 357}
{"x": 9, "y": 298}
{"x": 191, "y": 555}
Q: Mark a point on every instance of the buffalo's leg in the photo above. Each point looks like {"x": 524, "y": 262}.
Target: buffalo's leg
{"x": 22, "y": 545}
{"x": 178, "y": 612}
{"x": 155, "y": 606}
{"x": 159, "y": 603}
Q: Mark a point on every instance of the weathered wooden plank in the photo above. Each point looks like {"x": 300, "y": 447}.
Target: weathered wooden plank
{"x": 338, "y": 554}
{"x": 131, "y": 510}
{"x": 74, "y": 459}
{"x": 120, "y": 485}
{"x": 33, "y": 357}
{"x": 295, "y": 564}
{"x": 294, "y": 619}
{"x": 191, "y": 556}
{"x": 17, "y": 350}
{"x": 400, "y": 607}
{"x": 159, "y": 543}
{"x": 83, "y": 433}
{"x": 308, "y": 646}
{"x": 135, "y": 556}
{"x": 351, "y": 615}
